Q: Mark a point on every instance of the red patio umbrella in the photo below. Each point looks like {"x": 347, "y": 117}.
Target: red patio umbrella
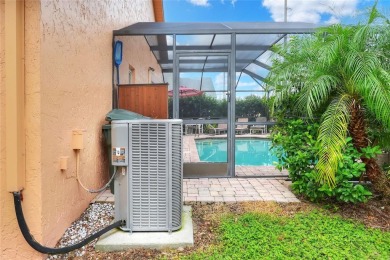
{"x": 186, "y": 92}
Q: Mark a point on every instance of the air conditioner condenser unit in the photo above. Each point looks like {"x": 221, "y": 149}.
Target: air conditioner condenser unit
{"x": 148, "y": 182}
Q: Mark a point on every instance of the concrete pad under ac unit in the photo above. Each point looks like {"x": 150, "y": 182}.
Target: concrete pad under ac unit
{"x": 118, "y": 240}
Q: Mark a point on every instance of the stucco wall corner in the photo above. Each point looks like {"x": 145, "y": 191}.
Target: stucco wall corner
{"x": 2, "y": 135}
{"x": 76, "y": 93}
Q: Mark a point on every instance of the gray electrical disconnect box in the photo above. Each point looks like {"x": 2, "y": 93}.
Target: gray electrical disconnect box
{"x": 148, "y": 183}
{"x": 120, "y": 149}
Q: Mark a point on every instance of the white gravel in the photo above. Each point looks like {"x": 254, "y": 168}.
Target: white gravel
{"x": 96, "y": 217}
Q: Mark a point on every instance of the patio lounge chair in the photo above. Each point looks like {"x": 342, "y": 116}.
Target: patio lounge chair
{"x": 221, "y": 128}
{"x": 259, "y": 128}
{"x": 240, "y": 129}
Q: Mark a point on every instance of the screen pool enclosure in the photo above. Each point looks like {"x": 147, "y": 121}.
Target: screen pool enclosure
{"x": 196, "y": 53}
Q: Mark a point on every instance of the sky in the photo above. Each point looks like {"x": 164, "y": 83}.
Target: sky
{"x": 313, "y": 11}
{"x": 321, "y": 12}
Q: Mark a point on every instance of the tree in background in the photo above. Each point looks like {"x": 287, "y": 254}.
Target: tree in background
{"x": 342, "y": 73}
{"x": 252, "y": 106}
{"x": 205, "y": 106}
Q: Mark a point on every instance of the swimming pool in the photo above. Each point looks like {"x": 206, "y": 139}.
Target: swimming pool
{"x": 249, "y": 151}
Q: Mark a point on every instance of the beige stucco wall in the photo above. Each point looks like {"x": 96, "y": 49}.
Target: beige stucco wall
{"x": 11, "y": 241}
{"x": 2, "y": 136}
{"x": 68, "y": 73}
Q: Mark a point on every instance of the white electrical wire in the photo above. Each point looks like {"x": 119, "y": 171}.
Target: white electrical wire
{"x": 82, "y": 185}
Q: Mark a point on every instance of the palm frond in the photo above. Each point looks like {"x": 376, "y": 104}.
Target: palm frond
{"x": 316, "y": 92}
{"x": 330, "y": 43}
{"x": 374, "y": 13}
{"x": 287, "y": 73}
{"x": 331, "y": 137}
{"x": 360, "y": 66}
{"x": 376, "y": 93}
{"x": 282, "y": 93}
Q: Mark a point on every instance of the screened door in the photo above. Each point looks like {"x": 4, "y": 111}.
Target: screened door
{"x": 202, "y": 100}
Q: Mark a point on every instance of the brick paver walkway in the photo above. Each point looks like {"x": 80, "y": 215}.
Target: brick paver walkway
{"x": 236, "y": 189}
{"x": 229, "y": 189}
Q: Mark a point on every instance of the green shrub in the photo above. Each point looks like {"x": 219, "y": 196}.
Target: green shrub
{"x": 295, "y": 146}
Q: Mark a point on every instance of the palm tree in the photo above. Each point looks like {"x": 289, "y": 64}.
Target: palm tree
{"x": 343, "y": 72}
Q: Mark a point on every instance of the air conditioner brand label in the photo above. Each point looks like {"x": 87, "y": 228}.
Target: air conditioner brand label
{"x": 118, "y": 154}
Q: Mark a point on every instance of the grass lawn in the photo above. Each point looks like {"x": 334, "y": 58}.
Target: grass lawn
{"x": 312, "y": 235}
{"x": 270, "y": 230}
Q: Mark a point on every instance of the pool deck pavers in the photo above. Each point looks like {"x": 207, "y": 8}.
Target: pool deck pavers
{"x": 190, "y": 153}
{"x": 229, "y": 189}
{"x": 237, "y": 189}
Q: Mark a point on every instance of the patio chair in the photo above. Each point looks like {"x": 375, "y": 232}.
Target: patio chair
{"x": 259, "y": 128}
{"x": 219, "y": 129}
{"x": 193, "y": 128}
{"x": 240, "y": 129}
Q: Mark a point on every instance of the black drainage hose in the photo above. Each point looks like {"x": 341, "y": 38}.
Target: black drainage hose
{"x": 47, "y": 250}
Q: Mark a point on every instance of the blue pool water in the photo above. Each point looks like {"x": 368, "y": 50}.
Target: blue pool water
{"x": 249, "y": 151}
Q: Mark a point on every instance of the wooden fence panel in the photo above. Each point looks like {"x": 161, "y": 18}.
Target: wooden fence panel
{"x": 146, "y": 99}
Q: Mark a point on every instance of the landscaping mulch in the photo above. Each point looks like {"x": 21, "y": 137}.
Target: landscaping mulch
{"x": 375, "y": 213}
